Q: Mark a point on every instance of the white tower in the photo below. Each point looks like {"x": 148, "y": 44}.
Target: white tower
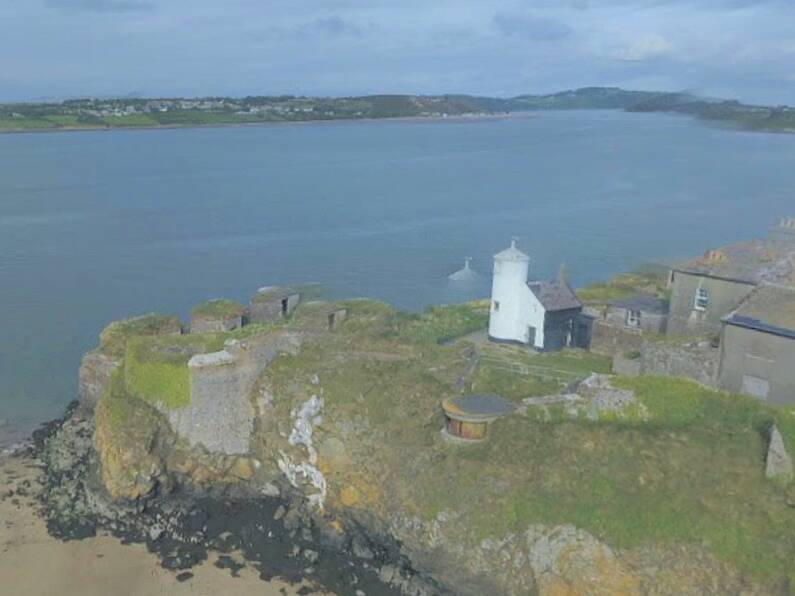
{"x": 510, "y": 296}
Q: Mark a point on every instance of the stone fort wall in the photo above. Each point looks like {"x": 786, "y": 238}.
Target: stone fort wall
{"x": 220, "y": 416}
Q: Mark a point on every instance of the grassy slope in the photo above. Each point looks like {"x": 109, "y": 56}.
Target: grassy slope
{"x": 693, "y": 474}
{"x": 648, "y": 280}
{"x": 219, "y": 308}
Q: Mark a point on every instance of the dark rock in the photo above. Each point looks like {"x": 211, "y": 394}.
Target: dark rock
{"x": 360, "y": 549}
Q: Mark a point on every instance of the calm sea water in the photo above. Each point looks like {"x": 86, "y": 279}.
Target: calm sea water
{"x": 99, "y": 225}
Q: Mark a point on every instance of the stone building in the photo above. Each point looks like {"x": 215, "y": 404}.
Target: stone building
{"x": 640, "y": 311}
{"x": 539, "y": 314}
{"x": 220, "y": 414}
{"x": 217, "y": 316}
{"x": 273, "y": 304}
{"x": 757, "y": 352}
{"x": 705, "y": 290}
{"x": 782, "y": 235}
{"x": 467, "y": 417}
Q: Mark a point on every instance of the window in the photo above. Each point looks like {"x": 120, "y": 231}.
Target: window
{"x": 496, "y": 305}
{"x": 702, "y": 299}
{"x": 633, "y": 318}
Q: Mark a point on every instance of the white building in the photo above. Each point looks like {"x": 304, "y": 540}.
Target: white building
{"x": 540, "y": 314}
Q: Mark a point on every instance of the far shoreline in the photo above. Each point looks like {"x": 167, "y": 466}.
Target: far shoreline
{"x": 451, "y": 118}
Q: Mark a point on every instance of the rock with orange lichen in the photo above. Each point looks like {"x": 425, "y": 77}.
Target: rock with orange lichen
{"x": 567, "y": 561}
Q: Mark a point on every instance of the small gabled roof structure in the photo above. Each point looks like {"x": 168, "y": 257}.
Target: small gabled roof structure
{"x": 769, "y": 308}
{"x": 555, "y": 295}
{"x": 642, "y": 302}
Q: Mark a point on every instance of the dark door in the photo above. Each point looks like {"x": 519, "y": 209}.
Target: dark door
{"x": 531, "y": 335}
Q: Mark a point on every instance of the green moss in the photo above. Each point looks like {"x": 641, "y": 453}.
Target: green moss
{"x": 440, "y": 324}
{"x": 122, "y": 412}
{"x": 218, "y": 309}
{"x": 269, "y": 294}
{"x": 156, "y": 367}
{"x": 645, "y": 279}
{"x": 669, "y": 401}
{"x": 490, "y": 378}
{"x": 113, "y": 339}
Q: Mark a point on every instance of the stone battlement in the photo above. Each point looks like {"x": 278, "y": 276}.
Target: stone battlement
{"x": 220, "y": 415}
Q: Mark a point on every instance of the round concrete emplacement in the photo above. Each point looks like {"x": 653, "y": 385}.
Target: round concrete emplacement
{"x": 477, "y": 408}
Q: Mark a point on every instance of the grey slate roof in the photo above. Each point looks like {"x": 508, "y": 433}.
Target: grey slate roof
{"x": 479, "y": 406}
{"x": 642, "y": 302}
{"x": 748, "y": 262}
{"x": 555, "y": 295}
{"x": 769, "y": 308}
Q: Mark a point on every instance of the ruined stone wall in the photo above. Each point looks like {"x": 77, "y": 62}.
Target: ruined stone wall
{"x": 629, "y": 367}
{"x": 611, "y": 339}
{"x": 271, "y": 308}
{"x": 221, "y": 416}
{"x": 215, "y": 325}
{"x": 696, "y": 360}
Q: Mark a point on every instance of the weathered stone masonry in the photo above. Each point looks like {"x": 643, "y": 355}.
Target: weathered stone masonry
{"x": 220, "y": 416}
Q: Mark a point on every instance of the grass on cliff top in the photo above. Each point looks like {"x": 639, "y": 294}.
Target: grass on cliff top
{"x": 218, "y": 309}
{"x": 648, "y": 279}
{"x": 122, "y": 413}
{"x": 156, "y": 367}
{"x": 694, "y": 474}
{"x": 439, "y": 324}
{"x": 113, "y": 339}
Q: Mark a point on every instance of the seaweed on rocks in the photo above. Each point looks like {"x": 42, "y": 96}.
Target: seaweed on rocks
{"x": 277, "y": 536}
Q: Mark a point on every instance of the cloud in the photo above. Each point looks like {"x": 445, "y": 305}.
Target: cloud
{"x": 102, "y": 5}
{"x": 331, "y": 26}
{"x": 645, "y": 47}
{"x": 531, "y": 27}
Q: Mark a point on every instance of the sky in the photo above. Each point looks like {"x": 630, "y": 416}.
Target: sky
{"x": 743, "y": 49}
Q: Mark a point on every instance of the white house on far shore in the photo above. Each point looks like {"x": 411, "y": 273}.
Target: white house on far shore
{"x": 540, "y": 314}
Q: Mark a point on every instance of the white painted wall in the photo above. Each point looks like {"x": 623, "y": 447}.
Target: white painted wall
{"x": 518, "y": 306}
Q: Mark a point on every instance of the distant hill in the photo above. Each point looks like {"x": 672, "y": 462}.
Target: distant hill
{"x": 137, "y": 112}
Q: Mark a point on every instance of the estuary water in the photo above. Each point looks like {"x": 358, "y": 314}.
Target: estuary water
{"x": 100, "y": 225}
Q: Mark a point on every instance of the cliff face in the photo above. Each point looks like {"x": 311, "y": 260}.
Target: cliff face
{"x": 660, "y": 494}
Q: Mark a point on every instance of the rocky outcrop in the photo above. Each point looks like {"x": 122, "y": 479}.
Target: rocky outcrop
{"x": 96, "y": 369}
{"x": 342, "y": 429}
{"x": 126, "y": 437}
{"x": 567, "y": 560}
{"x": 778, "y": 462}
{"x": 595, "y": 398}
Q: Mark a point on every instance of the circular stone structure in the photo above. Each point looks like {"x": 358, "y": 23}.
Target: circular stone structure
{"x": 467, "y": 417}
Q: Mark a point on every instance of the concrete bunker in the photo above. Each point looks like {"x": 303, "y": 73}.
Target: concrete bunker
{"x": 468, "y": 417}
{"x": 217, "y": 316}
{"x": 271, "y": 304}
{"x": 336, "y": 317}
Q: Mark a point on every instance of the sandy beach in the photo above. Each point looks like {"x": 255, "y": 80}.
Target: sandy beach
{"x": 33, "y": 563}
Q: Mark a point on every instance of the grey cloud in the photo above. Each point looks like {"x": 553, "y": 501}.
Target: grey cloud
{"x": 334, "y": 26}
{"x": 102, "y": 5}
{"x": 531, "y": 27}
